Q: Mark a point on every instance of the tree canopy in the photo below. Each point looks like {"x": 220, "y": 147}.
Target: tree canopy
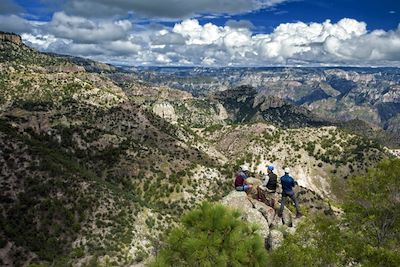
{"x": 368, "y": 233}
{"x": 213, "y": 235}
{"x": 373, "y": 201}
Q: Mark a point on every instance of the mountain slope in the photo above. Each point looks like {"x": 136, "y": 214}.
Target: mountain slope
{"x": 96, "y": 168}
{"x": 244, "y": 104}
{"x": 336, "y": 94}
{"x": 86, "y": 172}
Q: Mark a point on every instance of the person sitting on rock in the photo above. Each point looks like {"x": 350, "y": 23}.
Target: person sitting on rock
{"x": 287, "y": 191}
{"x": 240, "y": 180}
{"x": 266, "y": 192}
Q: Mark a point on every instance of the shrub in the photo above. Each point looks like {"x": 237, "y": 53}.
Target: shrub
{"x": 212, "y": 235}
{"x": 367, "y": 234}
{"x": 317, "y": 242}
{"x": 373, "y": 202}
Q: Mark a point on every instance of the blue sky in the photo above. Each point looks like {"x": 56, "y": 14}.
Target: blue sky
{"x": 384, "y": 14}
{"x": 211, "y": 32}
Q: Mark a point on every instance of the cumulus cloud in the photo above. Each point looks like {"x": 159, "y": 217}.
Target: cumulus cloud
{"x": 83, "y": 30}
{"x": 346, "y": 42}
{"x": 38, "y": 40}
{"x": 166, "y": 8}
{"x": 376, "y": 46}
{"x": 291, "y": 40}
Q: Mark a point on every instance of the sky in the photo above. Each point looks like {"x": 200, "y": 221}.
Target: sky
{"x": 211, "y": 32}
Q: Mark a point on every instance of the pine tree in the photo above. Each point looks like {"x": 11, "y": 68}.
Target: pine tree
{"x": 368, "y": 234}
{"x": 212, "y": 235}
{"x": 373, "y": 215}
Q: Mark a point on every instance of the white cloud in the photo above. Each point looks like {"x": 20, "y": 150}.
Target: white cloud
{"x": 197, "y": 34}
{"x": 163, "y": 59}
{"x": 208, "y": 61}
{"x": 347, "y": 42}
{"x": 39, "y": 40}
{"x": 87, "y": 31}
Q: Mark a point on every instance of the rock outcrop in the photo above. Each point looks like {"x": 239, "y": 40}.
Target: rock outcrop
{"x": 254, "y": 211}
{"x": 66, "y": 69}
{"x": 245, "y": 104}
{"x": 275, "y": 239}
{"x": 166, "y": 111}
{"x": 241, "y": 202}
{"x": 265, "y": 102}
{"x": 334, "y": 94}
{"x": 10, "y": 37}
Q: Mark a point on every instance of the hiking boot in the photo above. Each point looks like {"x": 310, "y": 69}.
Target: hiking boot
{"x": 299, "y": 215}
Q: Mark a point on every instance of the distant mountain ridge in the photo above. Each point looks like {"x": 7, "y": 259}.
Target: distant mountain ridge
{"x": 246, "y": 105}
{"x": 333, "y": 93}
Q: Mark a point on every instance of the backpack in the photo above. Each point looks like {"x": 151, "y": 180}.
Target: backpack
{"x": 272, "y": 181}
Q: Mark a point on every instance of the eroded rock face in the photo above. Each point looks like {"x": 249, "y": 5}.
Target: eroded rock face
{"x": 237, "y": 200}
{"x": 166, "y": 111}
{"x": 265, "y": 102}
{"x": 10, "y": 37}
{"x": 67, "y": 69}
{"x": 256, "y": 212}
{"x": 222, "y": 113}
{"x": 241, "y": 202}
{"x": 267, "y": 211}
{"x": 275, "y": 239}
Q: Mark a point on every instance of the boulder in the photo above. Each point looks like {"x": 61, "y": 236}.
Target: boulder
{"x": 267, "y": 211}
{"x": 254, "y": 181}
{"x": 277, "y": 199}
{"x": 287, "y": 218}
{"x": 241, "y": 202}
{"x": 237, "y": 200}
{"x": 276, "y": 222}
{"x": 275, "y": 239}
{"x": 254, "y": 216}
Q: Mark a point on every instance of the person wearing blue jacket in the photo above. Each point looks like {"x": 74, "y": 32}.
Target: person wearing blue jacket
{"x": 287, "y": 191}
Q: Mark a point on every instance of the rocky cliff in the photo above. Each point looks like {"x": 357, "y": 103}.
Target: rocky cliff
{"x": 10, "y": 37}
{"x": 244, "y": 104}
{"x": 166, "y": 111}
{"x": 338, "y": 94}
{"x": 272, "y": 227}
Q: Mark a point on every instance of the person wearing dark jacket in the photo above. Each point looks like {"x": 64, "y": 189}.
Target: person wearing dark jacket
{"x": 287, "y": 191}
{"x": 266, "y": 192}
{"x": 272, "y": 179}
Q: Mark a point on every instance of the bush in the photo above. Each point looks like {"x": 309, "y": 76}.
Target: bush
{"x": 367, "y": 234}
{"x": 373, "y": 202}
{"x": 212, "y": 235}
{"x": 317, "y": 242}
